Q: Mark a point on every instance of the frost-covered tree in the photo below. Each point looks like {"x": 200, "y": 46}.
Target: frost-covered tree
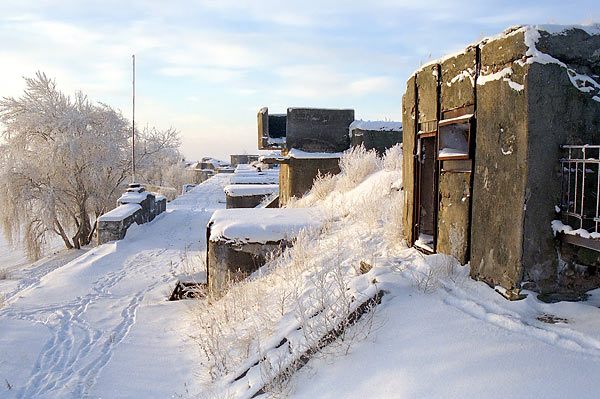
{"x": 63, "y": 161}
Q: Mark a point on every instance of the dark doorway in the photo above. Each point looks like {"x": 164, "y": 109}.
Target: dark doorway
{"x": 427, "y": 189}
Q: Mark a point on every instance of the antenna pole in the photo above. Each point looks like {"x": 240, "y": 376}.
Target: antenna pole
{"x": 133, "y": 128}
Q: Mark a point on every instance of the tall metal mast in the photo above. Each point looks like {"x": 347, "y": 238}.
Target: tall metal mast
{"x": 133, "y": 128}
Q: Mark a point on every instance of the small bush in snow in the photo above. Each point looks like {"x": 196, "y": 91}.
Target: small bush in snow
{"x": 355, "y": 166}
{"x": 392, "y": 160}
{"x": 323, "y": 185}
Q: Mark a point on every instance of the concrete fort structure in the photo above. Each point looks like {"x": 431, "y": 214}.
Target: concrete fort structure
{"x": 311, "y": 143}
{"x": 136, "y": 205}
{"x": 484, "y": 134}
{"x": 375, "y": 135}
{"x": 239, "y": 241}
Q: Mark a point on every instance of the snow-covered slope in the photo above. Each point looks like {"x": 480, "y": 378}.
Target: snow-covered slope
{"x": 436, "y": 334}
{"x": 100, "y": 326}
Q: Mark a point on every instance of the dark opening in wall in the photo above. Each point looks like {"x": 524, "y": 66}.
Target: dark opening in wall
{"x": 277, "y": 125}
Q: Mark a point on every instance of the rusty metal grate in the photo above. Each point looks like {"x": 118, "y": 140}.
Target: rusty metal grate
{"x": 580, "y": 186}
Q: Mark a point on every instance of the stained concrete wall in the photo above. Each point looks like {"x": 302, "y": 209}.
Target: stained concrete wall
{"x": 500, "y": 168}
{"x": 229, "y": 262}
{"x": 270, "y": 127}
{"x": 111, "y": 230}
{"x": 318, "y": 130}
{"x": 522, "y": 118}
{"x": 458, "y": 79}
{"x": 378, "y": 140}
{"x": 296, "y": 176}
{"x": 575, "y": 120}
{"x": 247, "y": 201}
{"x": 453, "y": 214}
{"x": 241, "y": 159}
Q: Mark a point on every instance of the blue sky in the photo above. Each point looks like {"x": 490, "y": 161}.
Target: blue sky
{"x": 206, "y": 67}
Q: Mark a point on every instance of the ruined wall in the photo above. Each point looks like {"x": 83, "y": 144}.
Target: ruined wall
{"x": 318, "y": 130}
{"x": 296, "y": 176}
{"x": 500, "y": 167}
{"x": 408, "y": 157}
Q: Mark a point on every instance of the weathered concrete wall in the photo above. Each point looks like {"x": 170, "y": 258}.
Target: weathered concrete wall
{"x": 197, "y": 176}
{"x": 270, "y": 127}
{"x": 376, "y": 140}
{"x": 523, "y": 114}
{"x": 427, "y": 100}
{"x": 115, "y": 230}
{"x": 248, "y": 201}
{"x": 574, "y": 118}
{"x": 318, "y": 130}
{"x": 297, "y": 175}
{"x": 408, "y": 157}
{"x": 458, "y": 80}
{"x": 242, "y": 159}
{"x": 453, "y": 214}
{"x": 500, "y": 169}
{"x": 111, "y": 230}
{"x": 229, "y": 262}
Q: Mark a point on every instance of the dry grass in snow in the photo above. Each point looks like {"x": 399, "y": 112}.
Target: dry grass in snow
{"x": 310, "y": 288}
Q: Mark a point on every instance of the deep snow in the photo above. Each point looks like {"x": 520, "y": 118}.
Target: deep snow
{"x": 100, "y": 326}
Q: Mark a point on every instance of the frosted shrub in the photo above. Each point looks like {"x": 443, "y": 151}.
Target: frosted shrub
{"x": 323, "y": 185}
{"x": 392, "y": 159}
{"x": 355, "y": 166}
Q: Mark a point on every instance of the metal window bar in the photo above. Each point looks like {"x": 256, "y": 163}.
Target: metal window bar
{"x": 580, "y": 185}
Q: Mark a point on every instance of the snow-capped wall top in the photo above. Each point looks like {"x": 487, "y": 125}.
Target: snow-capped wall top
{"x": 246, "y": 190}
{"x": 530, "y": 30}
{"x": 132, "y": 197}
{"x": 389, "y": 126}
{"x": 531, "y": 36}
{"x": 261, "y": 225}
{"x": 257, "y": 178}
{"x": 299, "y": 154}
{"x": 119, "y": 213}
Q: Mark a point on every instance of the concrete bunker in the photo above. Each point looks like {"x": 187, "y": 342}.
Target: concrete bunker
{"x": 314, "y": 141}
{"x": 483, "y": 136}
{"x": 375, "y": 135}
{"x": 239, "y": 241}
{"x": 136, "y": 205}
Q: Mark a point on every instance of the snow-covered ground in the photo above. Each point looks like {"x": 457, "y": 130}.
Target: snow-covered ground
{"x": 100, "y": 326}
{"x": 436, "y": 334}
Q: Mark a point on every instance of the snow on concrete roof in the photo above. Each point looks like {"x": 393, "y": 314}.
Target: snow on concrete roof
{"x": 381, "y": 126}
{"x": 582, "y": 82}
{"x": 119, "y": 213}
{"x": 133, "y": 197}
{"x": 299, "y": 154}
{"x": 258, "y": 178}
{"x": 261, "y": 225}
{"x": 246, "y": 190}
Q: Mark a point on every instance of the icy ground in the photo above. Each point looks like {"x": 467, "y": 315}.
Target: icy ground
{"x": 100, "y": 326}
